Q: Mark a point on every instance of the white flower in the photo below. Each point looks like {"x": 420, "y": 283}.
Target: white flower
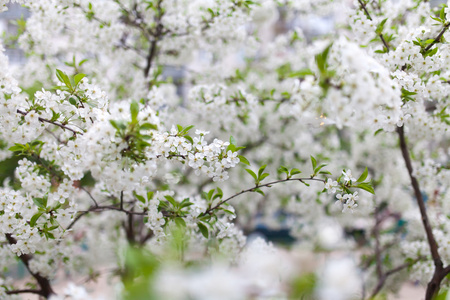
{"x": 330, "y": 186}
{"x": 350, "y": 205}
{"x": 348, "y": 176}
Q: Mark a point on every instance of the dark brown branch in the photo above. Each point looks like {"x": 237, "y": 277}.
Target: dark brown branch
{"x": 91, "y": 16}
{"x": 30, "y": 291}
{"x": 363, "y": 6}
{"x": 438, "y": 38}
{"x": 46, "y": 289}
{"x": 90, "y": 196}
{"x": 156, "y": 36}
{"x": 129, "y": 229}
{"x": 384, "y": 277}
{"x": 97, "y": 208}
{"x": 302, "y": 180}
{"x": 148, "y": 236}
{"x": 434, "y": 285}
{"x": 132, "y": 22}
{"x": 420, "y": 202}
{"x": 77, "y": 218}
{"x": 376, "y": 233}
{"x": 111, "y": 207}
{"x": 51, "y": 122}
{"x": 56, "y": 137}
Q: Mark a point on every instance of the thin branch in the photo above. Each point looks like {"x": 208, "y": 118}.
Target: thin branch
{"x": 418, "y": 194}
{"x": 91, "y": 16}
{"x": 376, "y": 233}
{"x": 384, "y": 277}
{"x": 156, "y": 36}
{"x": 134, "y": 23}
{"x": 31, "y": 291}
{"x": 302, "y": 180}
{"x": 56, "y": 137}
{"x": 77, "y": 218}
{"x": 51, "y": 122}
{"x": 363, "y": 6}
{"x": 438, "y": 38}
{"x": 111, "y": 207}
{"x": 150, "y": 57}
{"x": 46, "y": 289}
{"x": 125, "y": 46}
{"x": 148, "y": 236}
{"x": 90, "y": 196}
{"x": 434, "y": 284}
{"x": 129, "y": 229}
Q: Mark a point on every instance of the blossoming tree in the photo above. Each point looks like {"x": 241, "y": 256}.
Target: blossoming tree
{"x": 339, "y": 136}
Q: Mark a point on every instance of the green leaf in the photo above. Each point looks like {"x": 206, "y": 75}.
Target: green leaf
{"x": 16, "y": 148}
{"x": 229, "y": 212}
{"x": 367, "y": 187}
{"x": 243, "y": 160}
{"x": 316, "y": 170}
{"x": 231, "y": 148}
{"x": 55, "y": 116}
{"x": 140, "y": 198}
{"x": 148, "y": 126}
{"x": 203, "y": 229}
{"x": 34, "y": 218}
{"x": 436, "y": 19}
{"x": 232, "y": 141}
{"x": 210, "y": 194}
{"x": 252, "y": 173}
{"x": 186, "y": 129}
{"x": 381, "y": 51}
{"x": 82, "y": 62}
{"x": 313, "y": 162}
{"x": 325, "y": 172}
{"x": 78, "y": 77}
{"x": 73, "y": 101}
{"x": 49, "y": 235}
{"x": 117, "y": 125}
{"x": 431, "y": 52}
{"x": 380, "y": 27}
{"x": 219, "y": 193}
{"x": 304, "y": 286}
{"x": 40, "y": 202}
{"x": 263, "y": 176}
{"x": 301, "y": 74}
{"x": 378, "y": 131}
{"x": 321, "y": 59}
{"x": 442, "y": 14}
{"x": 180, "y": 222}
{"x": 283, "y": 169}
{"x": 53, "y": 227}
{"x": 64, "y": 78}
{"x": 259, "y": 191}
{"x": 442, "y": 295}
{"x": 171, "y": 201}
{"x": 363, "y": 175}
{"x": 295, "y": 171}
{"x": 261, "y": 170}
{"x": 185, "y": 203}
{"x": 134, "y": 110}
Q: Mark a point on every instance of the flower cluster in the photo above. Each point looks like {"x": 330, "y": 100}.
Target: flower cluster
{"x": 92, "y": 161}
